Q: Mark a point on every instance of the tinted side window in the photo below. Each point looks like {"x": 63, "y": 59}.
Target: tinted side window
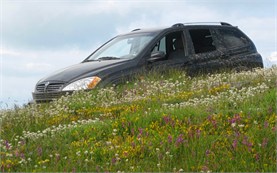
{"x": 233, "y": 38}
{"x": 202, "y": 40}
{"x": 170, "y": 43}
{"x": 160, "y": 46}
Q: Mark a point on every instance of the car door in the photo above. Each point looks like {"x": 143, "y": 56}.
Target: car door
{"x": 172, "y": 46}
{"x": 204, "y": 53}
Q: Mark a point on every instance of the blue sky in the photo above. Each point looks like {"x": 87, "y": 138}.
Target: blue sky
{"x": 40, "y": 36}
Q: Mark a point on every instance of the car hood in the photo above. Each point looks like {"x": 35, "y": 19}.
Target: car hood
{"x": 80, "y": 70}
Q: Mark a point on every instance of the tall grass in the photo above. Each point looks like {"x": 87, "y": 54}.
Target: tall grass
{"x": 157, "y": 123}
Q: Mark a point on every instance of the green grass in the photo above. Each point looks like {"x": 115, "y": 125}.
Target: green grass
{"x": 157, "y": 123}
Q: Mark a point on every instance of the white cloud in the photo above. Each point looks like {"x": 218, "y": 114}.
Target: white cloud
{"x": 21, "y": 70}
{"x": 273, "y": 57}
{"x": 8, "y": 52}
{"x": 38, "y": 66}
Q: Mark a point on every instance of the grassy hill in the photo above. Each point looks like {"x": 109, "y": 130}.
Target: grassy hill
{"x": 173, "y": 123}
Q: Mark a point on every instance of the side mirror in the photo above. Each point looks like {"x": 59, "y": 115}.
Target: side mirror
{"x": 156, "y": 56}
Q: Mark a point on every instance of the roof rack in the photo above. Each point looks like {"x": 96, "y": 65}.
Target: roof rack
{"x": 200, "y": 23}
{"x": 135, "y": 29}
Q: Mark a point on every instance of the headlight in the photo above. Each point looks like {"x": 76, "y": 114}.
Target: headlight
{"x": 86, "y": 83}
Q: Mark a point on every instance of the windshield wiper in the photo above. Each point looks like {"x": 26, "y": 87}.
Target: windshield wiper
{"x": 107, "y": 58}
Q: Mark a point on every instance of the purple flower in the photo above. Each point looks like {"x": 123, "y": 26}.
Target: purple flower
{"x": 39, "y": 151}
{"x": 266, "y": 124}
{"x": 179, "y": 140}
{"x": 235, "y": 119}
{"x": 140, "y": 131}
{"x": 169, "y": 138}
{"x": 235, "y": 143}
{"x": 166, "y": 119}
{"x": 7, "y": 145}
{"x": 208, "y": 152}
{"x": 265, "y": 141}
{"x": 113, "y": 160}
{"x": 198, "y": 132}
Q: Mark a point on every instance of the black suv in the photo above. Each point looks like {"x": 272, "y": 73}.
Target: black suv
{"x": 196, "y": 47}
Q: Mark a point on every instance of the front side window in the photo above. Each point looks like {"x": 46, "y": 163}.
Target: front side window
{"x": 170, "y": 44}
{"x": 202, "y": 40}
{"x": 122, "y": 47}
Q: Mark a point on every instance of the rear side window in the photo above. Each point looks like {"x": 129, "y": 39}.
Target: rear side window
{"x": 233, "y": 38}
{"x": 202, "y": 40}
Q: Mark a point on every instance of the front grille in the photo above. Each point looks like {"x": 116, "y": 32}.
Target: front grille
{"x": 45, "y": 97}
{"x": 40, "y": 88}
{"x": 54, "y": 87}
{"x": 51, "y": 87}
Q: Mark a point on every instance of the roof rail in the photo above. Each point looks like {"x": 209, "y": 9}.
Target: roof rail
{"x": 178, "y": 25}
{"x": 135, "y": 29}
{"x": 200, "y": 23}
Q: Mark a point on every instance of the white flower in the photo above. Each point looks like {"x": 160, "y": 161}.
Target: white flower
{"x": 233, "y": 124}
{"x": 158, "y": 165}
{"x": 241, "y": 125}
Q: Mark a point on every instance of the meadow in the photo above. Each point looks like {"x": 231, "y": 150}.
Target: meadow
{"x": 157, "y": 123}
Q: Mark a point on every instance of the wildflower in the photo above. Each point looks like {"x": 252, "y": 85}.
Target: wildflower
{"x": 208, "y": 152}
{"x": 167, "y": 153}
{"x": 180, "y": 140}
{"x": 157, "y": 149}
{"x": 181, "y": 170}
{"x": 265, "y": 141}
{"x": 241, "y": 125}
{"x": 158, "y": 165}
{"x": 234, "y": 144}
{"x": 169, "y": 138}
{"x": 78, "y": 153}
{"x": 39, "y": 151}
{"x": 233, "y": 124}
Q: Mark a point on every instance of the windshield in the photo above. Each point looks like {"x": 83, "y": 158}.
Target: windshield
{"x": 122, "y": 47}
